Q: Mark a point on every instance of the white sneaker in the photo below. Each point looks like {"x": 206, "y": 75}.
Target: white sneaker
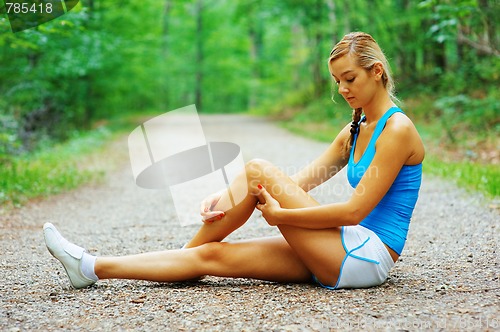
{"x": 69, "y": 254}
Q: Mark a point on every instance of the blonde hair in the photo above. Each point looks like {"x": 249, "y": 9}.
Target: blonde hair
{"x": 366, "y": 52}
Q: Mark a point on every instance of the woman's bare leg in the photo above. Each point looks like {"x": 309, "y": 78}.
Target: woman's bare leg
{"x": 291, "y": 257}
{"x": 246, "y": 184}
{"x": 320, "y": 250}
{"x": 234, "y": 217}
{"x": 267, "y": 259}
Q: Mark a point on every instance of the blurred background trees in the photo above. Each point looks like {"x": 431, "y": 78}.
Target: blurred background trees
{"x": 109, "y": 58}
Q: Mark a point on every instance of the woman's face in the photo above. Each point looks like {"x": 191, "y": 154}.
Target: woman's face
{"x": 355, "y": 84}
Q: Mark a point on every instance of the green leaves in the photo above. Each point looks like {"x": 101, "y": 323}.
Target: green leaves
{"x": 105, "y": 58}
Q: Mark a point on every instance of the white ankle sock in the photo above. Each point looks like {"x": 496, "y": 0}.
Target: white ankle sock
{"x": 88, "y": 263}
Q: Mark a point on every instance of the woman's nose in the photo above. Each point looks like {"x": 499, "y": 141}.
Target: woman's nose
{"x": 342, "y": 89}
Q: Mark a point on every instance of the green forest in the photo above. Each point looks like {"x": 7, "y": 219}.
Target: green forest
{"x": 105, "y": 60}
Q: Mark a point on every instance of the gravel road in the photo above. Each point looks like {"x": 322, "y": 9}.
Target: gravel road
{"x": 446, "y": 279}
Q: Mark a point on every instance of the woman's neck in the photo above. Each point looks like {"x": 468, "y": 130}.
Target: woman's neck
{"x": 377, "y": 107}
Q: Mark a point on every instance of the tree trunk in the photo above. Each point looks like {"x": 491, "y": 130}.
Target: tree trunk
{"x": 332, "y": 18}
{"x": 439, "y": 52}
{"x": 164, "y": 87}
{"x": 165, "y": 27}
{"x": 347, "y": 22}
{"x": 88, "y": 79}
{"x": 318, "y": 56}
{"x": 296, "y": 45}
{"x": 490, "y": 10}
{"x": 256, "y": 36}
{"x": 319, "y": 83}
{"x": 407, "y": 57}
{"x": 199, "y": 56}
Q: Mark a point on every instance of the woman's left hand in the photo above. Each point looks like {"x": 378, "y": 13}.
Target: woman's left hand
{"x": 269, "y": 208}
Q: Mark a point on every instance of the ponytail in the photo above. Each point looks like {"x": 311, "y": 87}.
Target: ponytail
{"x": 356, "y": 118}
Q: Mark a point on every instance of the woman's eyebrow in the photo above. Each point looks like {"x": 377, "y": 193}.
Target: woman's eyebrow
{"x": 346, "y": 72}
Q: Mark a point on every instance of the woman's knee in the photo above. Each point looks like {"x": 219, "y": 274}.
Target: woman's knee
{"x": 258, "y": 165}
{"x": 259, "y": 169}
{"x": 211, "y": 252}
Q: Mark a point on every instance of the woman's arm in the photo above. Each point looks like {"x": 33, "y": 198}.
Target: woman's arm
{"x": 393, "y": 150}
{"x": 318, "y": 171}
{"x": 325, "y": 166}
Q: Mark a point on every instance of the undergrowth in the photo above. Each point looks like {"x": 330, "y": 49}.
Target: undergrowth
{"x": 460, "y": 133}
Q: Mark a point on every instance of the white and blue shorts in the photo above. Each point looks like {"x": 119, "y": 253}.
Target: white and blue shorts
{"x": 367, "y": 261}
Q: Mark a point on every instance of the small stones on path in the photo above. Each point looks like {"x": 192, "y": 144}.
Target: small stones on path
{"x": 446, "y": 279}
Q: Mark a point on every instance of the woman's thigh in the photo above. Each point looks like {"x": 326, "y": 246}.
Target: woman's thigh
{"x": 320, "y": 250}
{"x": 269, "y": 258}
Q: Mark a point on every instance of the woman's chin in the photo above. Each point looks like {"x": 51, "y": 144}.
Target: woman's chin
{"x": 352, "y": 102}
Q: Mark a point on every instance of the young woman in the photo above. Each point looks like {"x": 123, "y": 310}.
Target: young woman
{"x": 339, "y": 245}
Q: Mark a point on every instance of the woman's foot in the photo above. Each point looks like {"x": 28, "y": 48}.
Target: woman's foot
{"x": 78, "y": 264}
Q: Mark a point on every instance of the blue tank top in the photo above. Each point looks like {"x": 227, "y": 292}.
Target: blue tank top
{"x": 390, "y": 219}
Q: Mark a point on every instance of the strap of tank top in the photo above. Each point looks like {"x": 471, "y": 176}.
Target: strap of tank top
{"x": 381, "y": 124}
{"x": 376, "y": 133}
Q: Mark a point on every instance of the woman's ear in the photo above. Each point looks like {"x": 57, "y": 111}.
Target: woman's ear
{"x": 378, "y": 70}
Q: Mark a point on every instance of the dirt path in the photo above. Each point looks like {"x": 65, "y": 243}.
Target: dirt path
{"x": 446, "y": 279}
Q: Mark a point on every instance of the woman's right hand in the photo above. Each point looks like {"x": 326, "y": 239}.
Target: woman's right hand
{"x": 207, "y": 206}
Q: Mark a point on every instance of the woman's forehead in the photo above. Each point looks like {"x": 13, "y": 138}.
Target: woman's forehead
{"x": 343, "y": 65}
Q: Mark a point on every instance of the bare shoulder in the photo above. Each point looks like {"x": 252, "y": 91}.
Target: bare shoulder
{"x": 400, "y": 122}
{"x": 400, "y": 133}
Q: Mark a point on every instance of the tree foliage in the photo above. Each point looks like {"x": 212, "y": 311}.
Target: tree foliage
{"x": 111, "y": 57}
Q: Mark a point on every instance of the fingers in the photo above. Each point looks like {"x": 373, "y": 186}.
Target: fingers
{"x": 209, "y": 203}
{"x": 214, "y": 202}
{"x": 204, "y": 206}
{"x": 263, "y": 197}
{"x": 212, "y": 216}
{"x": 263, "y": 192}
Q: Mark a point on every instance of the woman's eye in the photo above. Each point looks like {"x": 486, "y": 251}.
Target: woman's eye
{"x": 351, "y": 80}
